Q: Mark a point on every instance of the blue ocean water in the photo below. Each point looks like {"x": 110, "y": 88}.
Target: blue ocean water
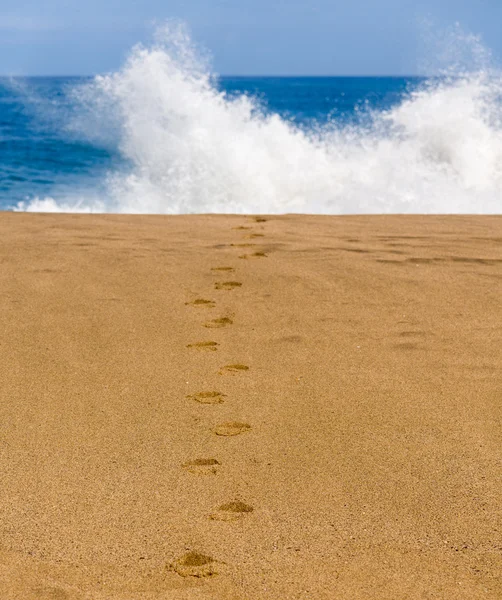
{"x": 41, "y": 156}
{"x": 163, "y": 134}
{"x": 37, "y": 154}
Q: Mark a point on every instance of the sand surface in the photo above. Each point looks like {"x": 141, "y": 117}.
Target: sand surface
{"x": 358, "y": 456}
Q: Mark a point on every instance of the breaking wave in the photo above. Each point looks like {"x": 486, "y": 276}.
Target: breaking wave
{"x": 191, "y": 148}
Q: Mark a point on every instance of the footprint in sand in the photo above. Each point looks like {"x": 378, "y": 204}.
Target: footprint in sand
{"x": 260, "y": 220}
{"x": 242, "y": 245}
{"x": 223, "y": 269}
{"x": 218, "y": 323}
{"x": 208, "y": 397}
{"x": 412, "y": 334}
{"x": 252, "y": 236}
{"x": 202, "y": 466}
{"x": 204, "y": 346}
{"x": 406, "y": 346}
{"x": 254, "y": 255}
{"x": 410, "y": 337}
{"x": 49, "y": 593}
{"x": 201, "y": 302}
{"x": 241, "y": 228}
{"x": 195, "y": 564}
{"x": 237, "y": 368}
{"x": 231, "y": 428}
{"x": 227, "y": 285}
{"x": 231, "y": 511}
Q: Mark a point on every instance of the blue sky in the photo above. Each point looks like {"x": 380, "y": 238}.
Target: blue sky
{"x": 290, "y": 37}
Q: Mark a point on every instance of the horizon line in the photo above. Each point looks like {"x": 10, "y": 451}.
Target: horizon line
{"x": 254, "y": 75}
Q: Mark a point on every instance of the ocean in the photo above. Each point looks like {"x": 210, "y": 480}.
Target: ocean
{"x": 164, "y": 134}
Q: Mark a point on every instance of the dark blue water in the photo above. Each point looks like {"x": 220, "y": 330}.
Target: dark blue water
{"x": 305, "y": 99}
{"x": 42, "y": 155}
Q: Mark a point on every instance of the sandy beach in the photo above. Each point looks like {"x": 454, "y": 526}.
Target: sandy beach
{"x": 241, "y": 408}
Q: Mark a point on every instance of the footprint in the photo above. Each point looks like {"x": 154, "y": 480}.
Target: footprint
{"x": 290, "y": 338}
{"x": 231, "y": 511}
{"x": 233, "y": 368}
{"x": 217, "y": 323}
{"x": 201, "y": 302}
{"x": 421, "y": 261}
{"x": 411, "y": 337}
{"x": 208, "y": 397}
{"x": 202, "y": 466}
{"x": 231, "y": 428}
{"x": 406, "y": 346}
{"x": 260, "y": 220}
{"x": 242, "y": 245}
{"x": 241, "y": 227}
{"x": 225, "y": 269}
{"x": 227, "y": 285}
{"x": 408, "y": 334}
{"x": 204, "y": 346}
{"x": 252, "y": 236}
{"x": 254, "y": 255}
{"x": 195, "y": 564}
{"x": 50, "y": 593}
{"x": 389, "y": 261}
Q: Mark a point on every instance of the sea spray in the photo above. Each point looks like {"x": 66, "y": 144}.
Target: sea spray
{"x": 191, "y": 148}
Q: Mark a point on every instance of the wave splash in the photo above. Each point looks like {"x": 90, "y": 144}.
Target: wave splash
{"x": 194, "y": 149}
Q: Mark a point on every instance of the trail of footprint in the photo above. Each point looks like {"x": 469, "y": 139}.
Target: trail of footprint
{"x": 236, "y": 368}
{"x": 202, "y": 466}
{"x": 201, "y": 302}
{"x": 204, "y": 346}
{"x": 254, "y": 255}
{"x": 208, "y": 397}
{"x": 218, "y": 323}
{"x": 231, "y": 428}
{"x": 231, "y": 511}
{"x": 227, "y": 285}
{"x": 195, "y": 564}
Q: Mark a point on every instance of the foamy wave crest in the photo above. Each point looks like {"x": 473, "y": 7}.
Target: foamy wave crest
{"x": 193, "y": 149}
{"x": 85, "y": 204}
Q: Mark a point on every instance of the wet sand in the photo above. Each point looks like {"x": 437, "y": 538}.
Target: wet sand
{"x": 226, "y": 408}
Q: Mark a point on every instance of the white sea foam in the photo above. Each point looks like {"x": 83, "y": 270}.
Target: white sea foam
{"x": 193, "y": 149}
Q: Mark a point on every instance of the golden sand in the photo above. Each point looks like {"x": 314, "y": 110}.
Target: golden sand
{"x": 363, "y": 358}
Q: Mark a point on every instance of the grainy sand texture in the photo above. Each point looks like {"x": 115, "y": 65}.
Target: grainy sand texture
{"x": 231, "y": 408}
